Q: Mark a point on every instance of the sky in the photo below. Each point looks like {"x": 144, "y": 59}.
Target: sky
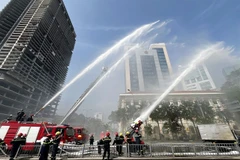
{"x": 100, "y": 24}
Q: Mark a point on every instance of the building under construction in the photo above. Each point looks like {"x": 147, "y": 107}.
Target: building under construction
{"x": 36, "y": 43}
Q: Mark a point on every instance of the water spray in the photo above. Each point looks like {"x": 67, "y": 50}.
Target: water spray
{"x": 98, "y": 82}
{"x": 138, "y": 32}
{"x": 203, "y": 55}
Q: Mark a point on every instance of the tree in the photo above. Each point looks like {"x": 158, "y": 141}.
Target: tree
{"x": 155, "y": 116}
{"x": 148, "y": 130}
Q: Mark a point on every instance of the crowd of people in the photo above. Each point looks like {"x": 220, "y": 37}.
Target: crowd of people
{"x": 119, "y": 141}
{"x": 20, "y": 140}
{"x": 21, "y": 117}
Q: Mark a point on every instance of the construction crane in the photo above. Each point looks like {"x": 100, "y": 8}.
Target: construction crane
{"x": 80, "y": 100}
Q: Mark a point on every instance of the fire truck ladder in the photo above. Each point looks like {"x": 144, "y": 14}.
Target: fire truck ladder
{"x": 80, "y": 100}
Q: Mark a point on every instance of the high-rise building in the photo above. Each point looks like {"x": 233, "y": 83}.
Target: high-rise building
{"x": 148, "y": 70}
{"x": 198, "y": 79}
{"x": 36, "y": 43}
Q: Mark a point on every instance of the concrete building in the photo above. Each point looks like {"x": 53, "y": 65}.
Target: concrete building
{"x": 148, "y": 69}
{"x": 36, "y": 43}
{"x": 216, "y": 99}
{"x": 199, "y": 79}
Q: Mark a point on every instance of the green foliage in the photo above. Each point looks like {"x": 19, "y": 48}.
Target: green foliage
{"x": 148, "y": 130}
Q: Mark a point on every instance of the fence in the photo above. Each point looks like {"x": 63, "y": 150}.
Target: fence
{"x": 153, "y": 150}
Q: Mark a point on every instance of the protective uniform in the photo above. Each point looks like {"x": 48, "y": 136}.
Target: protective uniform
{"x": 106, "y": 145}
{"x": 99, "y": 144}
{"x": 91, "y": 139}
{"x": 118, "y": 141}
{"x": 16, "y": 142}
{"x": 30, "y": 119}
{"x": 55, "y": 142}
{"x": 128, "y": 141}
{"x": 121, "y": 140}
{"x": 138, "y": 137}
{"x": 20, "y": 114}
{"x": 45, "y": 148}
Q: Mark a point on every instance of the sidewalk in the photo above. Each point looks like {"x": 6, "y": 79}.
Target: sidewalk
{"x": 129, "y": 158}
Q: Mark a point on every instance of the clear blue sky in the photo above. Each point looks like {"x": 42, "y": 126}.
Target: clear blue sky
{"x": 99, "y": 24}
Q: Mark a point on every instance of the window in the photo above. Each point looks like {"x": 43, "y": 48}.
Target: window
{"x": 193, "y": 80}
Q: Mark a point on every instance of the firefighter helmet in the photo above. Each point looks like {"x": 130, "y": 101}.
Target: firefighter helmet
{"x": 79, "y": 136}
{"x": 116, "y": 134}
{"x": 107, "y": 134}
{"x": 127, "y": 133}
{"x": 24, "y": 135}
{"x": 57, "y": 133}
{"x": 120, "y": 134}
{"x": 19, "y": 134}
{"x": 49, "y": 135}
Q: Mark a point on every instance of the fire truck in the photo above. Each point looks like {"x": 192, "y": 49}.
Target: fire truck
{"x": 81, "y": 135}
{"x": 36, "y": 132}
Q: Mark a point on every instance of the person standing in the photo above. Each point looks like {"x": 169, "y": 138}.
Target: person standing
{"x": 128, "y": 141}
{"x": 16, "y": 142}
{"x": 45, "y": 148}
{"x": 56, "y": 142}
{"x": 91, "y": 140}
{"x": 121, "y": 141}
{"x": 138, "y": 137}
{"x": 106, "y": 145}
{"x": 30, "y": 118}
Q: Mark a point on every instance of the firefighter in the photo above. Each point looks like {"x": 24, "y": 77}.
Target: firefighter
{"x": 56, "y": 142}
{"x": 24, "y": 138}
{"x": 23, "y": 118}
{"x": 91, "y": 140}
{"x": 9, "y": 118}
{"x": 30, "y": 118}
{"x": 138, "y": 137}
{"x": 106, "y": 145}
{"x": 128, "y": 141}
{"x": 20, "y": 114}
{"x": 99, "y": 144}
{"x": 45, "y": 148}
{"x": 117, "y": 142}
{"x": 16, "y": 142}
{"x": 121, "y": 141}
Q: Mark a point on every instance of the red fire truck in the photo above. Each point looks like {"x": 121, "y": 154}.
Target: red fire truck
{"x": 36, "y": 132}
{"x": 81, "y": 135}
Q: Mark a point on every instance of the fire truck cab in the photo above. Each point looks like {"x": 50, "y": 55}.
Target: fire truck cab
{"x": 81, "y": 135}
{"x": 36, "y": 132}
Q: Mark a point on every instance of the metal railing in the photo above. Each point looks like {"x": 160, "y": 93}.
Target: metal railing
{"x": 132, "y": 150}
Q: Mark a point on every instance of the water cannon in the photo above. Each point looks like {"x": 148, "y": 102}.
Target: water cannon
{"x": 135, "y": 126}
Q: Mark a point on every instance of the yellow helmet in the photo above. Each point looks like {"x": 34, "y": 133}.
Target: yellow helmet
{"x": 120, "y": 134}
{"x": 127, "y": 133}
{"x": 136, "y": 122}
{"x": 57, "y": 133}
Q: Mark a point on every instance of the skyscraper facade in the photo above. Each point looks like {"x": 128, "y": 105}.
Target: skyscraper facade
{"x": 198, "y": 79}
{"x": 36, "y": 43}
{"x": 148, "y": 70}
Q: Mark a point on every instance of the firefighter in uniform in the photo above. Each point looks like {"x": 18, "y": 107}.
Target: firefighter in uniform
{"x": 56, "y": 142}
{"x": 45, "y": 148}
{"x": 138, "y": 137}
{"x": 128, "y": 141}
{"x": 106, "y": 145}
{"x": 118, "y": 143}
{"x": 30, "y": 118}
{"x": 91, "y": 140}
{"x": 16, "y": 142}
{"x": 24, "y": 138}
{"x": 99, "y": 144}
{"x": 20, "y": 114}
{"x": 121, "y": 140}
